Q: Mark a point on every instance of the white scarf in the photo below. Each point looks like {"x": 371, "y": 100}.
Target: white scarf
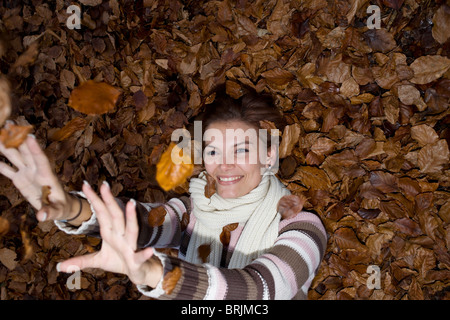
{"x": 257, "y": 211}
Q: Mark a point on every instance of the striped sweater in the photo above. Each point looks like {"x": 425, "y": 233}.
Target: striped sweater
{"x": 284, "y": 272}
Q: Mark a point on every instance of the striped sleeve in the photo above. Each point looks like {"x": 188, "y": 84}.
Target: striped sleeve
{"x": 166, "y": 235}
{"x": 284, "y": 272}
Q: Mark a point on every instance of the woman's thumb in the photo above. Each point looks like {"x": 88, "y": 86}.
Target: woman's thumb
{"x": 48, "y": 213}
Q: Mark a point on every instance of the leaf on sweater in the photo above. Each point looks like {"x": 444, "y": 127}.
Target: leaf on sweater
{"x": 210, "y": 187}
{"x": 12, "y": 136}
{"x": 225, "y": 235}
{"x": 156, "y": 216}
{"x": 203, "y": 252}
{"x": 94, "y": 97}
{"x": 171, "y": 279}
{"x": 291, "y": 205}
{"x": 172, "y": 173}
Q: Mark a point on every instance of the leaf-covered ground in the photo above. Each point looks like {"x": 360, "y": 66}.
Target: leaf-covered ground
{"x": 367, "y": 142}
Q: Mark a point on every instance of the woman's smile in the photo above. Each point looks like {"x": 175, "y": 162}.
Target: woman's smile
{"x": 228, "y": 180}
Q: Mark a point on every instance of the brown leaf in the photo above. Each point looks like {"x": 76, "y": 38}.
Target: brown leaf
{"x": 291, "y": 205}
{"x": 4, "y": 226}
{"x": 203, "y": 252}
{"x": 45, "y": 194}
{"x": 433, "y": 157}
{"x": 156, "y": 216}
{"x": 429, "y": 68}
{"x": 13, "y": 135}
{"x": 73, "y": 126}
{"x": 424, "y": 134}
{"x": 383, "y": 181}
{"x": 225, "y": 235}
{"x": 5, "y": 100}
{"x": 346, "y": 239}
{"x": 291, "y": 135}
{"x": 277, "y": 77}
{"x": 184, "y": 221}
{"x": 441, "y": 24}
{"x": 170, "y": 174}
{"x": 368, "y": 213}
{"x": 210, "y": 187}
{"x": 171, "y": 279}
{"x": 408, "y": 227}
{"x": 8, "y": 258}
{"x": 94, "y": 97}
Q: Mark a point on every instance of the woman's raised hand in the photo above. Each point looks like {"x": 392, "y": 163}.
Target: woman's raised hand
{"x": 119, "y": 242}
{"x": 30, "y": 173}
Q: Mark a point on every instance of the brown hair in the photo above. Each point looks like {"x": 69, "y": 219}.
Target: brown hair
{"x": 251, "y": 108}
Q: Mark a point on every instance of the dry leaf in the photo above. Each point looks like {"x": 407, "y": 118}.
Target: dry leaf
{"x": 225, "y": 235}
{"x": 203, "y": 252}
{"x": 156, "y": 216}
{"x": 172, "y": 173}
{"x": 94, "y": 97}
{"x": 277, "y": 77}
{"x": 13, "y": 135}
{"x": 291, "y": 205}
{"x": 8, "y": 258}
{"x": 429, "y": 68}
{"x": 171, "y": 279}
{"x": 73, "y": 126}
{"x": 424, "y": 134}
{"x": 441, "y": 24}
{"x": 291, "y": 135}
{"x": 433, "y": 157}
{"x": 45, "y": 193}
{"x": 4, "y": 226}
{"x": 5, "y": 100}
{"x": 210, "y": 187}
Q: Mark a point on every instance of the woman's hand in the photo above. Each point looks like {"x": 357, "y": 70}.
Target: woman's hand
{"x": 33, "y": 171}
{"x": 118, "y": 252}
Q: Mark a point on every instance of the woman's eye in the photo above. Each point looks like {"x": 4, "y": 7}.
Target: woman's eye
{"x": 241, "y": 150}
{"x": 211, "y": 153}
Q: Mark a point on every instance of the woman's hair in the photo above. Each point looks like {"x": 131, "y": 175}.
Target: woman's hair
{"x": 251, "y": 108}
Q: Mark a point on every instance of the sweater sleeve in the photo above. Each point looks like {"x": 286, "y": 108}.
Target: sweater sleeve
{"x": 166, "y": 235}
{"x": 284, "y": 272}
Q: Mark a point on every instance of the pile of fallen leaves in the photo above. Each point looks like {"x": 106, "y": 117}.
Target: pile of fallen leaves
{"x": 367, "y": 145}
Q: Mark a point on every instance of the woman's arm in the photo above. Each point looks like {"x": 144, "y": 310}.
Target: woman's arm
{"x": 284, "y": 272}
{"x": 168, "y": 234}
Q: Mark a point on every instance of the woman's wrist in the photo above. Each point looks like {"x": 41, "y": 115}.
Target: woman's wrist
{"x": 153, "y": 272}
{"x": 78, "y": 210}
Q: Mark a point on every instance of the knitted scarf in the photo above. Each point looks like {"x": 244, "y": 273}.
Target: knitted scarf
{"x": 256, "y": 211}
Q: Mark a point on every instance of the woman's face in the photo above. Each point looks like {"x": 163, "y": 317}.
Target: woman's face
{"x": 231, "y": 157}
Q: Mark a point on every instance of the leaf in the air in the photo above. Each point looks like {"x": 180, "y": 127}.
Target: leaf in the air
{"x": 171, "y": 172}
{"x": 13, "y": 135}
{"x": 94, "y": 97}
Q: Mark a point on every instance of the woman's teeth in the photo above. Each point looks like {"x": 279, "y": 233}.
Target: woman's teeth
{"x": 229, "y": 179}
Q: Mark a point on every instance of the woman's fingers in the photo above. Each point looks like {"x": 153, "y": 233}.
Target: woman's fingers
{"x": 89, "y": 260}
{"x": 101, "y": 211}
{"x": 132, "y": 227}
{"x": 116, "y": 213}
{"x": 26, "y": 154}
{"x": 13, "y": 155}
{"x": 38, "y": 157}
{"x": 7, "y": 171}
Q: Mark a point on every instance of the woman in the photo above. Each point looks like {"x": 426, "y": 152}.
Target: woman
{"x": 235, "y": 246}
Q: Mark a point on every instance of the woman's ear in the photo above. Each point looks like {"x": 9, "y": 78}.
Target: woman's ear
{"x": 272, "y": 157}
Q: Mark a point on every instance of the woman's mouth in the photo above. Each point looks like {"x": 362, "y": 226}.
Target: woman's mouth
{"x": 227, "y": 180}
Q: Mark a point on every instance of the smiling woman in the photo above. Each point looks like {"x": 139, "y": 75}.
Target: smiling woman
{"x": 232, "y": 244}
